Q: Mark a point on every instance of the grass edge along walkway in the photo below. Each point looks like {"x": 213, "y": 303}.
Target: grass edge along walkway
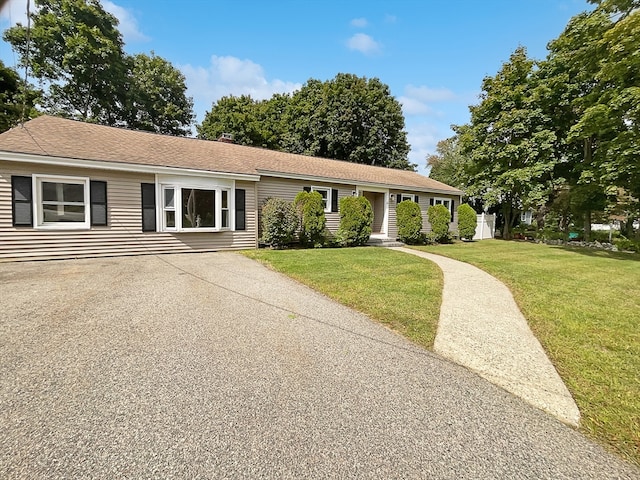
{"x": 398, "y": 290}
{"x": 584, "y": 308}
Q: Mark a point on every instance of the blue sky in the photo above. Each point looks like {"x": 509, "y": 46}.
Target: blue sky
{"x": 433, "y": 54}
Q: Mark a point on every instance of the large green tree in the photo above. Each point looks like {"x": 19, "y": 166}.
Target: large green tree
{"x": 76, "y": 49}
{"x": 15, "y": 98}
{"x": 348, "y": 118}
{"x": 76, "y": 53}
{"x": 156, "y": 97}
{"x": 252, "y": 122}
{"x": 509, "y": 141}
{"x": 448, "y": 164}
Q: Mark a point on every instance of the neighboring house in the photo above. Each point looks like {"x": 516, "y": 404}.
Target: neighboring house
{"x": 71, "y": 189}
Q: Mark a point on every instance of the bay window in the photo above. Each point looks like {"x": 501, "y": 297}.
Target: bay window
{"x": 195, "y": 208}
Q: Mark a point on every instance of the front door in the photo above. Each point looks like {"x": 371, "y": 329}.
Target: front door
{"x": 377, "y": 201}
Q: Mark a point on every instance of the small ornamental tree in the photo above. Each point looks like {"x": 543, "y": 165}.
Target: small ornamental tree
{"x": 409, "y": 221}
{"x": 439, "y": 217}
{"x": 310, "y": 210}
{"x": 356, "y": 217}
{"x": 467, "y": 221}
{"x": 279, "y": 222}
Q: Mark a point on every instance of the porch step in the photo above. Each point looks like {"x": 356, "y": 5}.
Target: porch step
{"x": 384, "y": 242}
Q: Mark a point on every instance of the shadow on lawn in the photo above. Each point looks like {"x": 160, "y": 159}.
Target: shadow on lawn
{"x": 592, "y": 252}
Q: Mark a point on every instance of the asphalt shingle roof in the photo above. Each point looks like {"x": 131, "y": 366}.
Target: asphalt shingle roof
{"x": 58, "y": 137}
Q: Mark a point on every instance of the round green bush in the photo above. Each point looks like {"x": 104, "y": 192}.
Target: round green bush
{"x": 439, "y": 217}
{"x": 311, "y": 218}
{"x": 356, "y": 217}
{"x": 409, "y": 220}
{"x": 467, "y": 221}
{"x": 279, "y": 222}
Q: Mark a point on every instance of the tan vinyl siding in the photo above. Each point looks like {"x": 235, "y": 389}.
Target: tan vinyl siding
{"x": 122, "y": 236}
{"x": 287, "y": 189}
{"x": 423, "y": 201}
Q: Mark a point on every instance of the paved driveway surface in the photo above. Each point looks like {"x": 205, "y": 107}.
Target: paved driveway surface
{"x": 211, "y": 366}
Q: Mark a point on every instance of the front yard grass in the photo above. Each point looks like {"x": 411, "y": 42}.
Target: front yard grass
{"x": 584, "y": 307}
{"x": 399, "y": 290}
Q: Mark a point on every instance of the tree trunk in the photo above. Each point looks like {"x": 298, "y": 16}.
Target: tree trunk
{"x": 587, "y": 226}
{"x": 507, "y": 212}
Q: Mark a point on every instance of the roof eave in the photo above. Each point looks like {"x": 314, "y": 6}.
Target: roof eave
{"x": 359, "y": 183}
{"x": 118, "y": 166}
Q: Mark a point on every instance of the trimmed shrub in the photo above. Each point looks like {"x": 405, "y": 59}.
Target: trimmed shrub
{"x": 409, "y": 220}
{"x": 467, "y": 221}
{"x": 311, "y": 218}
{"x": 356, "y": 217}
{"x": 439, "y": 217}
{"x": 279, "y": 222}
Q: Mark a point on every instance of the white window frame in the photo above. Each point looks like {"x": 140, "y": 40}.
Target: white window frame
{"x": 38, "y": 201}
{"x": 443, "y": 201}
{"x": 407, "y": 196}
{"x": 327, "y": 206}
{"x": 178, "y": 207}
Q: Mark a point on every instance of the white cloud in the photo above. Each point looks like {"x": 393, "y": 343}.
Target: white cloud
{"x": 413, "y": 106}
{"x": 363, "y": 43}
{"x": 417, "y": 100}
{"x": 426, "y": 94}
{"x": 128, "y": 25}
{"x": 390, "y": 18}
{"x": 230, "y": 76}
{"x": 359, "y": 22}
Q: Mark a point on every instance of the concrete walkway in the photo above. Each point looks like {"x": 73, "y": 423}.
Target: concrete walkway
{"x": 482, "y": 328}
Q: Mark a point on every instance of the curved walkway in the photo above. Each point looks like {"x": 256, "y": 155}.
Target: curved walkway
{"x": 482, "y": 328}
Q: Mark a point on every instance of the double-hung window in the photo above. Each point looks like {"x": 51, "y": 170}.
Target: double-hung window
{"x": 407, "y": 196}
{"x": 62, "y": 202}
{"x": 326, "y": 197}
{"x": 191, "y": 208}
{"x": 443, "y": 201}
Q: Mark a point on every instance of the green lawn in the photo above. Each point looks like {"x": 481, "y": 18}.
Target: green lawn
{"x": 402, "y": 291}
{"x": 584, "y": 307}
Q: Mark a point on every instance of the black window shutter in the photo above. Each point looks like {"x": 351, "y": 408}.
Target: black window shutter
{"x": 307, "y": 189}
{"x": 334, "y": 200}
{"x": 98, "y": 199}
{"x": 240, "y": 209}
{"x": 431, "y": 202}
{"x": 22, "y": 201}
{"x": 398, "y": 198}
{"x": 148, "y": 207}
{"x": 417, "y": 199}
{"x": 453, "y": 203}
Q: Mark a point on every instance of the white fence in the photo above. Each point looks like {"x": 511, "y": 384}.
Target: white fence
{"x": 486, "y": 227}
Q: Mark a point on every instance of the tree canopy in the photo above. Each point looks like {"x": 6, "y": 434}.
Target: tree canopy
{"x": 14, "y": 98}
{"x": 347, "y": 118}
{"x": 562, "y": 132}
{"x": 76, "y": 53}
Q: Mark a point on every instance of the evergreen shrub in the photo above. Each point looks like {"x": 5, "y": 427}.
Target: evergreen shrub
{"x": 311, "y": 218}
{"x": 409, "y": 221}
{"x": 439, "y": 217}
{"x": 467, "y": 221}
{"x": 356, "y": 218}
{"x": 279, "y": 222}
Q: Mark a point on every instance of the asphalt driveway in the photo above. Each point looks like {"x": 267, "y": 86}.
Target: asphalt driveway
{"x": 212, "y": 366}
